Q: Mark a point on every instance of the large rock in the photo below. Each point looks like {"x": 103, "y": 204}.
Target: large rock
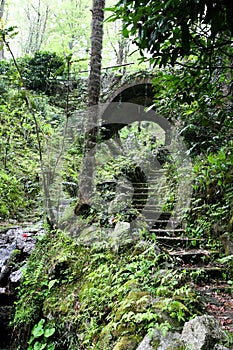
{"x": 120, "y": 235}
{"x": 202, "y": 333}
{"x": 16, "y": 244}
{"x": 126, "y": 343}
{"x": 145, "y": 344}
{"x": 119, "y": 203}
{"x": 169, "y": 341}
{"x": 87, "y": 236}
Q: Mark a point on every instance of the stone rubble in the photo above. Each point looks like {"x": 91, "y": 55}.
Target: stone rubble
{"x": 16, "y": 244}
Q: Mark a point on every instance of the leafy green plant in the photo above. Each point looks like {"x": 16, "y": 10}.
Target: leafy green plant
{"x": 40, "y": 337}
{"x": 41, "y": 70}
{"x": 12, "y": 201}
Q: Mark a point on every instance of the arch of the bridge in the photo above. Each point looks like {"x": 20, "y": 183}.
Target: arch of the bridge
{"x": 127, "y": 105}
{"x": 137, "y": 93}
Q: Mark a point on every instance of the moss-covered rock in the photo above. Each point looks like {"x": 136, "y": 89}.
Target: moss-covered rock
{"x": 227, "y": 242}
{"x": 135, "y": 301}
{"x": 127, "y": 343}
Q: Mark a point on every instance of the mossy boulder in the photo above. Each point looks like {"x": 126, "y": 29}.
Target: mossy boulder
{"x": 127, "y": 343}
{"x": 158, "y": 340}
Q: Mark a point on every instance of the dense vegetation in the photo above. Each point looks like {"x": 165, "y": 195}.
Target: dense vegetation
{"x": 109, "y": 295}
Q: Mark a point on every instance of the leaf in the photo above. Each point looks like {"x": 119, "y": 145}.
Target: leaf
{"x": 39, "y": 346}
{"x": 51, "y": 283}
{"x": 38, "y": 329}
{"x": 51, "y": 346}
{"x": 37, "y": 332}
{"x": 49, "y": 332}
{"x": 109, "y": 9}
{"x": 125, "y": 32}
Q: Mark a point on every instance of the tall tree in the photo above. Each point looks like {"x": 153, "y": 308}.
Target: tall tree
{"x": 2, "y": 6}
{"x": 96, "y": 52}
{"x": 94, "y": 85}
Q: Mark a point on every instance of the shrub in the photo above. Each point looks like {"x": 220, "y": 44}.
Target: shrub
{"x": 11, "y": 195}
{"x": 40, "y": 70}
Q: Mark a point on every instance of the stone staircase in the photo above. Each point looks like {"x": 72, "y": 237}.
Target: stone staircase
{"x": 193, "y": 256}
{"x": 199, "y": 262}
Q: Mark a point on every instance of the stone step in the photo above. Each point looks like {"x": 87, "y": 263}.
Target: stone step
{"x": 182, "y": 239}
{"x": 159, "y": 214}
{"x": 158, "y": 211}
{"x": 192, "y": 252}
{"x": 168, "y": 222}
{"x": 150, "y": 186}
{"x": 219, "y": 286}
{"x": 152, "y": 208}
{"x": 191, "y": 256}
{"x": 169, "y": 239}
{"x": 205, "y": 272}
{"x": 160, "y": 230}
{"x": 149, "y": 195}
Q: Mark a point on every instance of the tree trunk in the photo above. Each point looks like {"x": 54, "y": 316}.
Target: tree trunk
{"x": 96, "y": 52}
{"x": 94, "y": 85}
{"x": 2, "y": 5}
{"x": 37, "y": 20}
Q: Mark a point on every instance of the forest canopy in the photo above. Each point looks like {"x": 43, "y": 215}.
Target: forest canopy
{"x": 172, "y": 29}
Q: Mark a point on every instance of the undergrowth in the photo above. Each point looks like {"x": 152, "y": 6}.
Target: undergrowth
{"x": 88, "y": 298}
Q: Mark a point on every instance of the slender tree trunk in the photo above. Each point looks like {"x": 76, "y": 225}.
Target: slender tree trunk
{"x": 96, "y": 51}
{"x": 37, "y": 19}
{"x": 2, "y": 5}
{"x": 94, "y": 85}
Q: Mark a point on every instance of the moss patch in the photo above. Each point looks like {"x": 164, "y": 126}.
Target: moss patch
{"x": 127, "y": 343}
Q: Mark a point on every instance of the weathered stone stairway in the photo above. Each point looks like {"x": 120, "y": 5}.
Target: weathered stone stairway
{"x": 200, "y": 265}
{"x": 193, "y": 256}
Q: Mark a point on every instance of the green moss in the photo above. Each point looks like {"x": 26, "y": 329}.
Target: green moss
{"x": 230, "y": 224}
{"x": 135, "y": 301}
{"x": 131, "y": 285}
{"x": 93, "y": 295}
{"x": 106, "y": 336}
{"x": 14, "y": 257}
{"x": 127, "y": 343}
{"x": 155, "y": 344}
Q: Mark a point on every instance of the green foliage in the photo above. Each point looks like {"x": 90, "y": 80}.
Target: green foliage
{"x": 41, "y": 70}
{"x": 195, "y": 102}
{"x": 4, "y": 79}
{"x": 171, "y": 30}
{"x": 73, "y": 158}
{"x": 19, "y": 157}
{"x": 97, "y": 294}
{"x": 19, "y": 137}
{"x": 11, "y": 198}
{"x": 213, "y": 190}
{"x": 89, "y": 298}
{"x": 40, "y": 337}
